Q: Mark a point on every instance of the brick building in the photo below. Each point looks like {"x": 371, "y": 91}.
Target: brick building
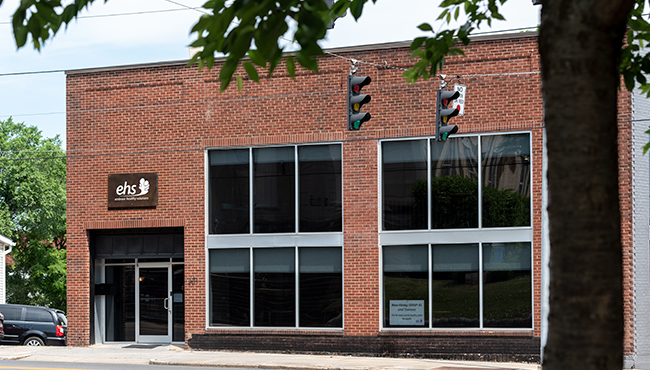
{"x": 255, "y": 220}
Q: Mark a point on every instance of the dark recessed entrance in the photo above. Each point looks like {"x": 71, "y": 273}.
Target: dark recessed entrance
{"x": 138, "y": 283}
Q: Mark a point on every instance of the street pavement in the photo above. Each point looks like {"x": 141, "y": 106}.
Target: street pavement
{"x": 178, "y": 355}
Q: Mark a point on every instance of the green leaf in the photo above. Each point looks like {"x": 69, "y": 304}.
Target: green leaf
{"x": 257, "y": 58}
{"x": 291, "y": 67}
{"x": 646, "y": 147}
{"x": 240, "y": 83}
{"x": 425, "y": 27}
{"x": 251, "y": 71}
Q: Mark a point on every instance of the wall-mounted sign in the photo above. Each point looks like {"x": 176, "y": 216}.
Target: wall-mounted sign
{"x": 133, "y": 190}
{"x": 407, "y": 313}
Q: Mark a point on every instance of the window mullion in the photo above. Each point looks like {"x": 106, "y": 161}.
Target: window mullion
{"x": 429, "y": 196}
{"x": 480, "y": 285}
{"x": 296, "y": 191}
{"x": 296, "y": 282}
{"x": 430, "y": 250}
{"x": 251, "y": 290}
{"x": 480, "y": 181}
{"x": 251, "y": 192}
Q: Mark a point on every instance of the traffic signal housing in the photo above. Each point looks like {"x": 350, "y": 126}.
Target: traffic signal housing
{"x": 444, "y": 114}
{"x": 356, "y": 100}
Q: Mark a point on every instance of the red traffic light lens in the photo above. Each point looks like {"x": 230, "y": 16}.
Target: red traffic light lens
{"x": 357, "y": 88}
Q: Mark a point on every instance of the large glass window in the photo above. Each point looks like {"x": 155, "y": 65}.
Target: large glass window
{"x": 120, "y": 303}
{"x": 321, "y": 284}
{"x": 265, "y": 190}
{"x": 229, "y": 191}
{"x": 507, "y": 289}
{"x": 275, "y": 286}
{"x": 404, "y": 165}
{"x": 320, "y": 188}
{"x": 279, "y": 285}
{"x": 463, "y": 286}
{"x": 454, "y": 183}
{"x": 500, "y": 163}
{"x": 506, "y": 180}
{"x": 406, "y": 286}
{"x": 274, "y": 196}
{"x": 230, "y": 287}
{"x": 455, "y": 285}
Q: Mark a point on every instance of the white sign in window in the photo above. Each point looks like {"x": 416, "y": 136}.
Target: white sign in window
{"x": 407, "y": 313}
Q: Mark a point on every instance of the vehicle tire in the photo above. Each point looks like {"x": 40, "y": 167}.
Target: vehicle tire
{"x": 33, "y": 341}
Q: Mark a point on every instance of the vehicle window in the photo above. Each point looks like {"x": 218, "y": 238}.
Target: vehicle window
{"x": 62, "y": 319}
{"x": 39, "y": 315}
{"x": 11, "y": 313}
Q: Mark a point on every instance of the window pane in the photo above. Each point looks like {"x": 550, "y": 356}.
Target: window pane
{"x": 404, "y": 176}
{"x": 229, "y": 287}
{"x": 229, "y": 192}
{"x": 320, "y": 188}
{"x": 455, "y": 301}
{"x": 274, "y": 189}
{"x": 275, "y": 287}
{"x": 38, "y": 315}
{"x": 321, "y": 287}
{"x": 506, "y": 180}
{"x": 454, "y": 183}
{"x": 120, "y": 303}
{"x": 406, "y": 287}
{"x": 12, "y": 313}
{"x": 507, "y": 289}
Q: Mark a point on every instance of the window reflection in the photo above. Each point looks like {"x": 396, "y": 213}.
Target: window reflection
{"x": 454, "y": 183}
{"x": 506, "y": 180}
{"x": 229, "y": 195}
{"x": 275, "y": 287}
{"x": 507, "y": 289}
{"x": 406, "y": 286}
{"x": 229, "y": 287}
{"x": 404, "y": 174}
{"x": 321, "y": 287}
{"x": 120, "y": 303}
{"x": 455, "y": 300}
{"x": 320, "y": 188}
{"x": 274, "y": 187}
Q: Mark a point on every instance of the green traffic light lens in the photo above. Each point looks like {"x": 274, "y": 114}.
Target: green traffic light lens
{"x": 445, "y": 136}
{"x": 356, "y": 125}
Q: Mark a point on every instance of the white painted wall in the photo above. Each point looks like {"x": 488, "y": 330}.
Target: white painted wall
{"x": 641, "y": 232}
{"x": 5, "y": 247}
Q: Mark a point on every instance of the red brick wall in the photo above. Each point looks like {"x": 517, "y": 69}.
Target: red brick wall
{"x": 626, "y": 203}
{"x": 162, "y": 118}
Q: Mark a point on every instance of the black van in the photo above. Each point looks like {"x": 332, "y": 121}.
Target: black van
{"x": 33, "y": 325}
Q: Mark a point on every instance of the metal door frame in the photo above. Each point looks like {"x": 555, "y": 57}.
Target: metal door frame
{"x": 153, "y": 338}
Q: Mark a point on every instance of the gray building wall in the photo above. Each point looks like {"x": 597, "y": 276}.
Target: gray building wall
{"x": 641, "y": 232}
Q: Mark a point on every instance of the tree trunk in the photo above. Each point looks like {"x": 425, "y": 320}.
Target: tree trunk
{"x": 580, "y": 43}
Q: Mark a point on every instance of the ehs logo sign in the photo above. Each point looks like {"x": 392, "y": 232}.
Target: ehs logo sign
{"x": 133, "y": 190}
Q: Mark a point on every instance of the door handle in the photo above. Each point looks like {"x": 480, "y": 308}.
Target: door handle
{"x": 166, "y": 303}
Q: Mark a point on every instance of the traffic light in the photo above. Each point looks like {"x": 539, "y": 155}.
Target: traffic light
{"x": 444, "y": 114}
{"x": 356, "y": 100}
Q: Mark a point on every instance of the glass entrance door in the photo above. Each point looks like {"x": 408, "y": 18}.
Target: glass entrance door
{"x": 154, "y": 303}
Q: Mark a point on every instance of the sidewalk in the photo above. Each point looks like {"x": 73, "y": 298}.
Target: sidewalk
{"x": 174, "y": 355}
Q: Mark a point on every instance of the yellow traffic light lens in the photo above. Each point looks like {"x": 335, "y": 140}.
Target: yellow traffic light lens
{"x": 357, "y": 106}
{"x": 444, "y": 119}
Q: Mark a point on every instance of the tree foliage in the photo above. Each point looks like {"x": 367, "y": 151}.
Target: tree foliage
{"x": 33, "y": 214}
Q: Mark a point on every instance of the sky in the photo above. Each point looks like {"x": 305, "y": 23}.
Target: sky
{"x": 125, "y": 32}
